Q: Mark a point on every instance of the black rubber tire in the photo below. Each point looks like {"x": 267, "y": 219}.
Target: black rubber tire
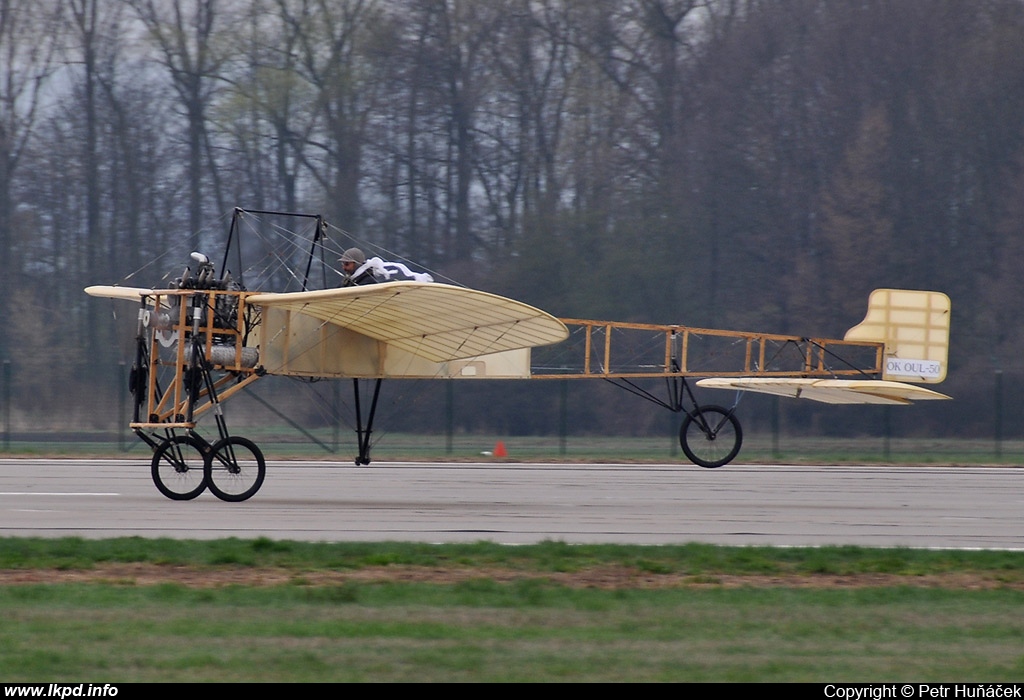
{"x": 179, "y": 468}
{"x": 235, "y": 469}
{"x": 715, "y": 445}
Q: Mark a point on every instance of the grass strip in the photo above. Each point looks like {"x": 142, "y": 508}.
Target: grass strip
{"x": 551, "y": 556}
{"x": 491, "y": 613}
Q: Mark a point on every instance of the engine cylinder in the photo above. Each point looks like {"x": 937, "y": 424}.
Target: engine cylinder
{"x": 225, "y": 355}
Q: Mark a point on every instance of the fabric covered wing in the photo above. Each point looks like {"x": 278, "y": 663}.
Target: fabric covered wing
{"x": 438, "y": 322}
{"x": 110, "y": 291}
{"x": 834, "y": 391}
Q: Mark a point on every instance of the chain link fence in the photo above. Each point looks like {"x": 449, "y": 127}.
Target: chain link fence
{"x": 562, "y": 419}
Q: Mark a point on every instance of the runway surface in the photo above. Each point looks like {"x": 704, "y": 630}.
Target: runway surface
{"x": 936, "y": 507}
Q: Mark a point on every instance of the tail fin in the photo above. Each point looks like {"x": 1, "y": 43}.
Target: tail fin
{"x": 914, "y": 325}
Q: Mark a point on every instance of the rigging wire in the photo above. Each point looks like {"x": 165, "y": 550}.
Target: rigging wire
{"x": 381, "y": 251}
{"x": 280, "y": 248}
{"x": 161, "y": 257}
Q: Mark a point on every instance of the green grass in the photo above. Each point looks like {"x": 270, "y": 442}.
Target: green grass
{"x": 902, "y": 614}
{"x": 488, "y": 632}
{"x": 539, "y": 559}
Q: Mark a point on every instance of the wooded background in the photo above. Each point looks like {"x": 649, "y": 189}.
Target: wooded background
{"x": 745, "y": 164}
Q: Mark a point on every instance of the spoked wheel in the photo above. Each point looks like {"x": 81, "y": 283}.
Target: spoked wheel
{"x": 179, "y": 468}
{"x": 710, "y": 436}
{"x": 236, "y": 469}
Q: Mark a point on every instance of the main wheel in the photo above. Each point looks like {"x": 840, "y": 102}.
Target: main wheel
{"x": 710, "y": 436}
{"x": 179, "y": 468}
{"x": 236, "y": 469}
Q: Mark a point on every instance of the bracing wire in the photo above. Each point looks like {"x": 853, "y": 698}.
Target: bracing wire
{"x": 168, "y": 274}
{"x": 381, "y": 251}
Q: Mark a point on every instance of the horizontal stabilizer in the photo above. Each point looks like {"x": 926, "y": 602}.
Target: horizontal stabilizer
{"x": 834, "y": 391}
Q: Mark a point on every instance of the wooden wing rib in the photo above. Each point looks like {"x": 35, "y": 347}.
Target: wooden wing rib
{"x": 833, "y": 391}
{"x": 438, "y": 322}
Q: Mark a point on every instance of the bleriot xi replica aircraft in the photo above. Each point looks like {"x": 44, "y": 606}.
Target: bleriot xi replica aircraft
{"x": 206, "y": 337}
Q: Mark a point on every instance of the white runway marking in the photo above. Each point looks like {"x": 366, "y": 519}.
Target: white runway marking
{"x": 55, "y": 493}
{"x": 923, "y": 507}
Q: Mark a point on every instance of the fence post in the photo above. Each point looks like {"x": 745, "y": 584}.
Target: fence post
{"x": 775, "y": 428}
{"x": 887, "y": 417}
{"x": 7, "y": 405}
{"x": 674, "y": 424}
{"x": 336, "y": 417}
{"x": 449, "y": 412}
{"x": 999, "y": 413}
{"x": 122, "y": 410}
{"x": 563, "y": 417}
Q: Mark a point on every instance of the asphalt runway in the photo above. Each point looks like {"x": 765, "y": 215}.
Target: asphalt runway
{"x": 930, "y": 507}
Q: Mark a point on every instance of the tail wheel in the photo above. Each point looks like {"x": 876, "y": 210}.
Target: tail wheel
{"x": 710, "y": 436}
{"x": 179, "y": 468}
{"x": 235, "y": 469}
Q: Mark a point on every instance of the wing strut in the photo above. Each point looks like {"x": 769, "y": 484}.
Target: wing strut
{"x": 363, "y": 434}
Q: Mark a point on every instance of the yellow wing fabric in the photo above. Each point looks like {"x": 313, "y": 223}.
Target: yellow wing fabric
{"x": 111, "y": 291}
{"x": 834, "y": 391}
{"x": 437, "y": 322}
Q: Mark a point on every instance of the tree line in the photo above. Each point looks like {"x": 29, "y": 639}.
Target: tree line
{"x": 744, "y": 164}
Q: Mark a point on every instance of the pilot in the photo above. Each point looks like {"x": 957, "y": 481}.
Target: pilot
{"x": 351, "y": 260}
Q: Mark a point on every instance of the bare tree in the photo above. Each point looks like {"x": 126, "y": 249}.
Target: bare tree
{"x": 184, "y": 33}
{"x": 269, "y": 113}
{"x": 522, "y": 168}
{"x": 327, "y": 57}
{"x": 86, "y": 23}
{"x": 454, "y": 48}
{"x": 28, "y": 41}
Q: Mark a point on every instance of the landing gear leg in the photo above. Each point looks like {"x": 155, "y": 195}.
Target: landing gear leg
{"x": 710, "y": 436}
{"x": 363, "y": 434}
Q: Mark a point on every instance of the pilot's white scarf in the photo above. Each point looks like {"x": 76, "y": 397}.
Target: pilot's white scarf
{"x": 391, "y": 271}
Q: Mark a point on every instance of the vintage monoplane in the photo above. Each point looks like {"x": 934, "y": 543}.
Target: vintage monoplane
{"x": 205, "y": 337}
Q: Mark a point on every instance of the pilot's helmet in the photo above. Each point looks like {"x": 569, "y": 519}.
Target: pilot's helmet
{"x": 353, "y": 255}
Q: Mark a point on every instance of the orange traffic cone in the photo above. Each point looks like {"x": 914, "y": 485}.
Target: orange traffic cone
{"x": 499, "y": 450}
